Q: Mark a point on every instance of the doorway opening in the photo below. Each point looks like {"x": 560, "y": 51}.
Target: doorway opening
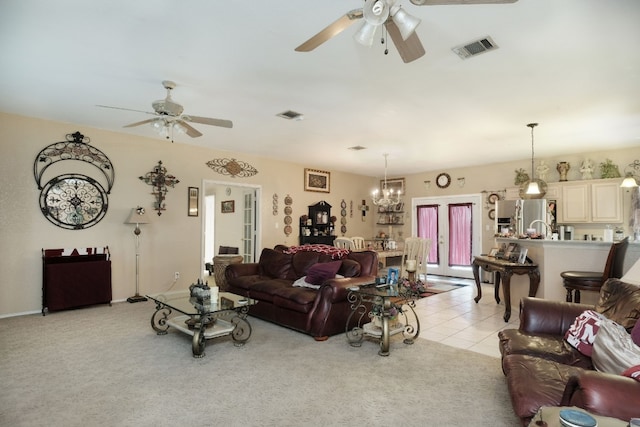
{"x": 231, "y": 217}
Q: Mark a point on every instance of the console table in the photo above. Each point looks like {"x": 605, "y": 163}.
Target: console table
{"x": 75, "y": 278}
{"x": 504, "y": 270}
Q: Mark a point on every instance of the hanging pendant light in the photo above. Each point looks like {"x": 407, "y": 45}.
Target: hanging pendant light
{"x": 533, "y": 186}
{"x": 387, "y": 199}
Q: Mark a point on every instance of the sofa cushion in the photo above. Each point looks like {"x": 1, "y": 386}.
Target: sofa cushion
{"x": 350, "y": 268}
{"x": 534, "y": 382}
{"x": 318, "y": 273}
{"x": 274, "y": 263}
{"x": 301, "y": 262}
{"x": 620, "y": 302}
{"x": 296, "y": 299}
{"x": 551, "y": 347}
{"x": 613, "y": 350}
{"x": 581, "y": 334}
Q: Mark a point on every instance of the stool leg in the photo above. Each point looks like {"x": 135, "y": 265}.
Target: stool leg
{"x": 569, "y": 295}
{"x": 577, "y": 297}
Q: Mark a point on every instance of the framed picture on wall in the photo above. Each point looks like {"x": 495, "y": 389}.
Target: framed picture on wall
{"x": 396, "y": 185}
{"x": 228, "y": 206}
{"x": 316, "y": 180}
{"x": 192, "y": 201}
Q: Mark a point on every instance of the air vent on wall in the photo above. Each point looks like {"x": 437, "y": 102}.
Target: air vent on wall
{"x": 475, "y": 47}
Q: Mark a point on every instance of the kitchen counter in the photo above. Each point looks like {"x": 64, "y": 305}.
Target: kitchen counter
{"x": 555, "y": 256}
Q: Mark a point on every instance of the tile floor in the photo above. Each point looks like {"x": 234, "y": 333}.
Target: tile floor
{"x": 454, "y": 318}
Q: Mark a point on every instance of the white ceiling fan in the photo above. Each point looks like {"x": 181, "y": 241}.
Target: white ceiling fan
{"x": 399, "y": 24}
{"x": 169, "y": 117}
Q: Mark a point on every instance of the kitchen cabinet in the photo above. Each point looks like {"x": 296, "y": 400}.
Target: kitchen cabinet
{"x": 596, "y": 201}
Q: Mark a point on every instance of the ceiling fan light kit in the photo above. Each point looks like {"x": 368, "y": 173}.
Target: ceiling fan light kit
{"x": 400, "y": 25}
{"x": 169, "y": 117}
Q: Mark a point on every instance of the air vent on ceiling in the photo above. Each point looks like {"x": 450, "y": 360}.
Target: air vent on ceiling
{"x": 357, "y": 148}
{"x": 290, "y": 115}
{"x": 476, "y": 47}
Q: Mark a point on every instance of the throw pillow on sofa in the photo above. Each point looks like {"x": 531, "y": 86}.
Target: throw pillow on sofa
{"x": 583, "y": 331}
{"x": 635, "y": 334}
{"x": 322, "y": 271}
{"x": 613, "y": 350}
{"x": 633, "y": 372}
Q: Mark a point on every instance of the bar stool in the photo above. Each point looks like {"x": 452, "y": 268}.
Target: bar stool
{"x": 593, "y": 280}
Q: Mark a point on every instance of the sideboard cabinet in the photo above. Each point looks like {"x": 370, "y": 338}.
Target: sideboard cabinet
{"x": 74, "y": 280}
{"x": 317, "y": 228}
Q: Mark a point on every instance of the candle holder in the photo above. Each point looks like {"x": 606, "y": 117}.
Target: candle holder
{"x": 411, "y": 267}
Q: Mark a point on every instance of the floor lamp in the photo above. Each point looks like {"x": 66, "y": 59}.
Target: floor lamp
{"x": 137, "y": 217}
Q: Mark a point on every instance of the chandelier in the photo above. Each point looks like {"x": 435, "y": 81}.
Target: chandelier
{"x": 166, "y": 127}
{"x": 534, "y": 186}
{"x": 388, "y": 198}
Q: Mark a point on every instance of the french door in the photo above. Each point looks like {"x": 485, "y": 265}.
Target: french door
{"x": 453, "y": 224}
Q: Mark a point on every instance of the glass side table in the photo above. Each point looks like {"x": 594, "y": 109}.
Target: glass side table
{"x": 380, "y": 312}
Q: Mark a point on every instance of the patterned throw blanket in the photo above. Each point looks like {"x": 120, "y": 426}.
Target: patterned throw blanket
{"x": 336, "y": 253}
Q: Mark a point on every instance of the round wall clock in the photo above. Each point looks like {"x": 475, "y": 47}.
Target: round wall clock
{"x": 443, "y": 180}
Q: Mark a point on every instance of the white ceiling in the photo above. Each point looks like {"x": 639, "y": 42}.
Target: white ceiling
{"x": 571, "y": 65}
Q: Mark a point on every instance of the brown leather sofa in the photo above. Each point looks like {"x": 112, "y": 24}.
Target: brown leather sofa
{"x": 318, "y": 312}
{"x": 542, "y": 369}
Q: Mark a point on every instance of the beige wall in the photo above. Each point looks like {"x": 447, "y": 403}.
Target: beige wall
{"x": 172, "y": 241}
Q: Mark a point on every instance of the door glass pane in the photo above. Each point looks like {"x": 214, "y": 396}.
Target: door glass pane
{"x": 427, "y": 217}
{"x": 460, "y": 234}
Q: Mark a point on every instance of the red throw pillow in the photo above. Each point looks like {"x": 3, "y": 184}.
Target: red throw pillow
{"x": 583, "y": 331}
{"x": 633, "y": 372}
{"x": 318, "y": 273}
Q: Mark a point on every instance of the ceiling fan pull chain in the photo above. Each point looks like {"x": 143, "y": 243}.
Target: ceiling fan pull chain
{"x": 384, "y": 40}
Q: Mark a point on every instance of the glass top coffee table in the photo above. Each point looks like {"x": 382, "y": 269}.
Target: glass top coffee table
{"x": 225, "y": 316}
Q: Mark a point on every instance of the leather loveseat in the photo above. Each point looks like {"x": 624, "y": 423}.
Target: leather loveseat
{"x": 321, "y": 311}
{"x": 543, "y": 369}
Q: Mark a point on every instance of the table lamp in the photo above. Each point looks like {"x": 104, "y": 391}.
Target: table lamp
{"x": 411, "y": 267}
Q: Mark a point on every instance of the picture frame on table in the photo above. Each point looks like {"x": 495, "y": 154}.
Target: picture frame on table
{"x": 317, "y": 180}
{"x": 493, "y": 252}
{"x": 392, "y": 275}
{"x": 510, "y": 250}
{"x": 522, "y": 256}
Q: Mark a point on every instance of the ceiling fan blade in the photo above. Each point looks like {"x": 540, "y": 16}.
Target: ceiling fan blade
{"x": 126, "y": 109}
{"x": 191, "y": 131}
{"x": 451, "y": 2}
{"x": 144, "y": 122}
{"x": 409, "y": 49}
{"x": 209, "y": 121}
{"x": 332, "y": 30}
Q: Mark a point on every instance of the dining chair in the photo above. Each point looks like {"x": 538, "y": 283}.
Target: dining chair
{"x": 343, "y": 243}
{"x": 416, "y": 248}
{"x": 358, "y": 243}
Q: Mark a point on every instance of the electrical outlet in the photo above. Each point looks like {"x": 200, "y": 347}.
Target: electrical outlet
{"x": 176, "y": 275}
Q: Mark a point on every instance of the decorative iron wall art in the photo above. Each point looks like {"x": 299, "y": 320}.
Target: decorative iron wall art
{"x": 232, "y": 167}
{"x": 73, "y": 201}
{"x": 159, "y": 179}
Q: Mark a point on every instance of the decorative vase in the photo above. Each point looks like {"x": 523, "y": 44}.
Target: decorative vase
{"x": 563, "y": 169}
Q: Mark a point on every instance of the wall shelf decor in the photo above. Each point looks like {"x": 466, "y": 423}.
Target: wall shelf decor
{"x": 73, "y": 201}
{"x": 160, "y": 180}
{"x": 193, "y": 201}
{"x": 232, "y": 167}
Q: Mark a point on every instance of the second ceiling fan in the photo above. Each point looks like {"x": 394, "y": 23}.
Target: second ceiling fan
{"x": 399, "y": 24}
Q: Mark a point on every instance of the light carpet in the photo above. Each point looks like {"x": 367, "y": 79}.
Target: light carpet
{"x": 105, "y": 366}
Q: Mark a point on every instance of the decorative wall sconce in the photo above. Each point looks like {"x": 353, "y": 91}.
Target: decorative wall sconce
{"x": 461, "y": 182}
{"x": 427, "y": 185}
{"x": 159, "y": 180}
